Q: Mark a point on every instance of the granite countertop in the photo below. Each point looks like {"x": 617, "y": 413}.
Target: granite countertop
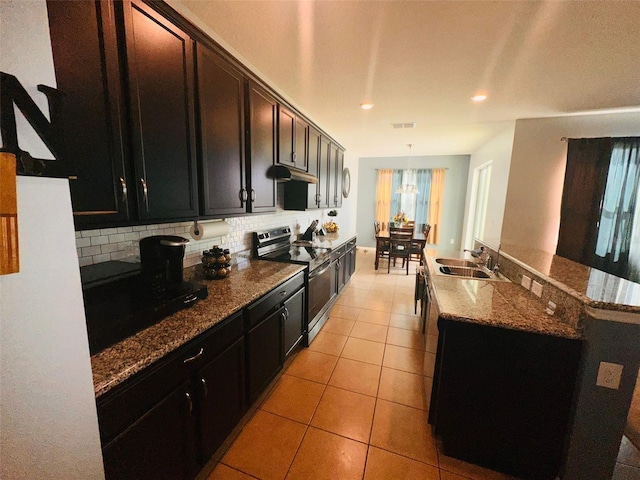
{"x": 333, "y": 240}
{"x": 597, "y": 289}
{"x": 248, "y": 281}
{"x": 493, "y": 303}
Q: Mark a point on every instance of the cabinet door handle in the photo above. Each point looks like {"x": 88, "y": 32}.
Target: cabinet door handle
{"x": 286, "y": 313}
{"x": 243, "y": 195}
{"x": 253, "y": 195}
{"x": 195, "y": 357}
{"x": 293, "y": 157}
{"x": 145, "y": 192}
{"x": 189, "y": 401}
{"x": 123, "y": 185}
{"x": 283, "y": 318}
{"x": 205, "y": 390}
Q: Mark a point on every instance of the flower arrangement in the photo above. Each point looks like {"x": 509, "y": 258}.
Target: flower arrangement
{"x": 400, "y": 217}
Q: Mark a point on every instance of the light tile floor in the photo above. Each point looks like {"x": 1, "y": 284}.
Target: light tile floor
{"x": 354, "y": 404}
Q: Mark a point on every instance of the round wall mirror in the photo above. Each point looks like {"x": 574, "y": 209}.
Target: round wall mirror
{"x": 346, "y": 182}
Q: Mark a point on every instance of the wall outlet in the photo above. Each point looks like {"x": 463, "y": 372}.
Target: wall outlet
{"x": 526, "y": 282}
{"x": 609, "y": 375}
{"x": 551, "y": 308}
{"x": 536, "y": 288}
{"x": 452, "y": 241}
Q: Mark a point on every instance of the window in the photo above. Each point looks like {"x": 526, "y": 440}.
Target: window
{"x": 415, "y": 192}
{"x": 599, "y": 220}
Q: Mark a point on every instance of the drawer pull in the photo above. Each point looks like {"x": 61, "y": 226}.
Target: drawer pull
{"x": 189, "y": 401}
{"x": 283, "y": 293}
{"x": 205, "y": 390}
{"x": 195, "y": 357}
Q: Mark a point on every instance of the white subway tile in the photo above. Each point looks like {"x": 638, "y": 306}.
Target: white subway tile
{"x": 87, "y": 251}
{"x": 83, "y": 242}
{"x": 84, "y": 261}
{"x": 110, "y": 248}
{"x": 125, "y": 229}
{"x": 90, "y": 233}
{"x": 118, "y": 255}
{"x": 118, "y": 237}
{"x": 101, "y": 258}
{"x": 140, "y": 228}
{"x": 108, "y": 231}
{"x": 102, "y": 240}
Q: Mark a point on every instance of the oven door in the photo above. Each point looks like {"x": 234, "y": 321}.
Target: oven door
{"x": 320, "y": 282}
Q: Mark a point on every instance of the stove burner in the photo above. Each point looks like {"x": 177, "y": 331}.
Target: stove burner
{"x": 277, "y": 245}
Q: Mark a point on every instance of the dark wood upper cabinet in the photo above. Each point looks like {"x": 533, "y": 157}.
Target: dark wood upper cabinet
{"x": 324, "y": 172}
{"x": 333, "y": 180}
{"x": 313, "y": 161}
{"x": 301, "y": 153}
{"x": 292, "y": 139}
{"x": 163, "y": 125}
{"x": 85, "y": 53}
{"x": 160, "y": 70}
{"x": 221, "y": 93}
{"x": 286, "y": 136}
{"x": 338, "y": 174}
{"x": 262, "y": 149}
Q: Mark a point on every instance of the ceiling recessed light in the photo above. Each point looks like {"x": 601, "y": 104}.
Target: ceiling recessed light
{"x": 481, "y": 97}
{"x": 366, "y": 106}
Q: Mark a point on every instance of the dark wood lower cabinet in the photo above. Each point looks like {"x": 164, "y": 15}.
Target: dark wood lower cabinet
{"x": 167, "y": 421}
{"x": 502, "y": 398}
{"x": 264, "y": 349}
{"x": 221, "y": 386}
{"x": 159, "y": 445}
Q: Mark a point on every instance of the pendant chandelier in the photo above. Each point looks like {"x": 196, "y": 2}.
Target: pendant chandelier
{"x": 407, "y": 187}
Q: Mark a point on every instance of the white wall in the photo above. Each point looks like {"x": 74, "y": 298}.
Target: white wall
{"x": 536, "y": 176}
{"x": 498, "y": 152}
{"x": 453, "y": 204}
{"x": 49, "y": 427}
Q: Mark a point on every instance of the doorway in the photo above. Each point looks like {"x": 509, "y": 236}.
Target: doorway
{"x": 478, "y": 204}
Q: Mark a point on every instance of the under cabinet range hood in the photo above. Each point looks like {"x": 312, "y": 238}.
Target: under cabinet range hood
{"x": 284, "y": 174}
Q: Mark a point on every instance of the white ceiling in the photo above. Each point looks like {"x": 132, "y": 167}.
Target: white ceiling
{"x": 421, "y": 61}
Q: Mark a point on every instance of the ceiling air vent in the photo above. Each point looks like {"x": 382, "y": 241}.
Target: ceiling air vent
{"x": 404, "y": 125}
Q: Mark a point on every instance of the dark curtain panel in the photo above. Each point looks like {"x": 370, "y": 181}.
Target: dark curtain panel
{"x": 584, "y": 184}
{"x": 618, "y": 218}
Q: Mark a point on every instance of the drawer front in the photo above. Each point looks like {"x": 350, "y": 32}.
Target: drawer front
{"x": 257, "y": 310}
{"x": 121, "y": 407}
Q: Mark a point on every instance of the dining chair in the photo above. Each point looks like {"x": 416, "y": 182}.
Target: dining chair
{"x": 400, "y": 246}
{"x": 382, "y": 245}
{"x": 416, "y": 247}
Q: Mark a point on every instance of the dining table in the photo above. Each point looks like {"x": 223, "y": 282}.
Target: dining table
{"x": 382, "y": 237}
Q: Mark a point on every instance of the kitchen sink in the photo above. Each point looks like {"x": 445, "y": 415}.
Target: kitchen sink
{"x": 464, "y": 272}
{"x": 456, "y": 262}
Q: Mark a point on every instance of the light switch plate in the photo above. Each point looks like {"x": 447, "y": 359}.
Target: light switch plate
{"x": 536, "y": 288}
{"x": 609, "y": 375}
{"x": 526, "y": 282}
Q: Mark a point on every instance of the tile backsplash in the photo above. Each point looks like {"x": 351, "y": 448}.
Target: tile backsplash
{"x": 102, "y": 245}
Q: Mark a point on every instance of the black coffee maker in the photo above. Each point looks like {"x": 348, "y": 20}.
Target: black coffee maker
{"x": 161, "y": 261}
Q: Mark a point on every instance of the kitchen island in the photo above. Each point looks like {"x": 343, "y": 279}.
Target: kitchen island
{"x": 588, "y": 307}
